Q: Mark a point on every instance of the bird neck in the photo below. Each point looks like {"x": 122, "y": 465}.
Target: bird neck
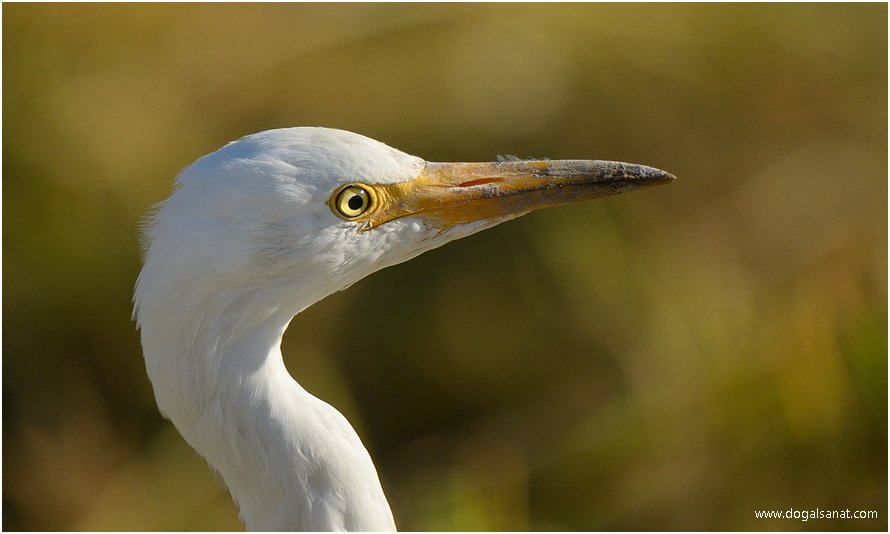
{"x": 290, "y": 460}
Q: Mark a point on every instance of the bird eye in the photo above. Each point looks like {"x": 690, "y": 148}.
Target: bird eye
{"x": 352, "y": 201}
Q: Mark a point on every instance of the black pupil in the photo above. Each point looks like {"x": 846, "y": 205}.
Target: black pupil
{"x": 355, "y": 202}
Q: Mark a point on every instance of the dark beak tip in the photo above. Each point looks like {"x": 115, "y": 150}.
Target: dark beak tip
{"x": 659, "y": 177}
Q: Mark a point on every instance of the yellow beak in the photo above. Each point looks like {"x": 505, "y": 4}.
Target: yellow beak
{"x": 448, "y": 194}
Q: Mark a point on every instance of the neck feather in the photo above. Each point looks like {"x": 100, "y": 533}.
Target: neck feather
{"x": 290, "y": 460}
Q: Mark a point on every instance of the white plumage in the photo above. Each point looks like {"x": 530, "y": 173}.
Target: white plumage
{"x": 261, "y": 229}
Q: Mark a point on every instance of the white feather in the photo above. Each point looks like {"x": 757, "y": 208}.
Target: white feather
{"x": 245, "y": 242}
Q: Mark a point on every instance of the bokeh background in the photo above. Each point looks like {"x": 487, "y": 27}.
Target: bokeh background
{"x": 676, "y": 358}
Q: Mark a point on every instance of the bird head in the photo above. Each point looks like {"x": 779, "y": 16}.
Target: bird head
{"x": 275, "y": 221}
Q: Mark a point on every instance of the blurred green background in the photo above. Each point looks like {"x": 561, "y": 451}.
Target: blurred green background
{"x": 672, "y": 359}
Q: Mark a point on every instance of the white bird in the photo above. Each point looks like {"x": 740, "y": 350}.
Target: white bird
{"x": 259, "y": 230}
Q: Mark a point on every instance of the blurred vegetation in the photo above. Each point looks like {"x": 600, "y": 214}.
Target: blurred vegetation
{"x": 672, "y": 359}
